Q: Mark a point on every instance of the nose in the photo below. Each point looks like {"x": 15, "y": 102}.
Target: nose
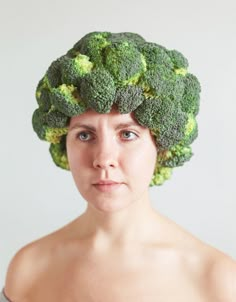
{"x": 105, "y": 156}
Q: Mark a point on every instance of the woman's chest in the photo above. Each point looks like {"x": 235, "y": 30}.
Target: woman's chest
{"x": 115, "y": 283}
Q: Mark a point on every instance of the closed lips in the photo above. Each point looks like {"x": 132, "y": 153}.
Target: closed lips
{"x": 107, "y": 182}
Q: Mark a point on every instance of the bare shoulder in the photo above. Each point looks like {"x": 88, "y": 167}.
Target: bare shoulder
{"x": 214, "y": 270}
{"x": 222, "y": 277}
{"x": 26, "y": 267}
{"x": 21, "y": 272}
{"x": 217, "y": 272}
{"x": 33, "y": 261}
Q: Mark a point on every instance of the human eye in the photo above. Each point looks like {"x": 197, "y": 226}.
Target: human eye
{"x": 84, "y": 136}
{"x": 128, "y": 135}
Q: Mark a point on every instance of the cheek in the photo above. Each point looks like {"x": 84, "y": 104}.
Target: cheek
{"x": 143, "y": 161}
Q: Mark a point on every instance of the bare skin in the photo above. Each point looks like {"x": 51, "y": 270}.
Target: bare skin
{"x": 120, "y": 249}
{"x": 66, "y": 266}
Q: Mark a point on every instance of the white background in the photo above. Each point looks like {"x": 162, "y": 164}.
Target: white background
{"x": 36, "y": 197}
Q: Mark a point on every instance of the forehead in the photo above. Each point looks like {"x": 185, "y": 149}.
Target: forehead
{"x": 111, "y": 118}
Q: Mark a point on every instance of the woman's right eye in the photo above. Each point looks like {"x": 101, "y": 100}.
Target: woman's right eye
{"x": 84, "y": 136}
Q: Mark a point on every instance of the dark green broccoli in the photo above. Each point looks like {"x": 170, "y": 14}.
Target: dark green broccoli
{"x": 128, "y": 98}
{"x": 92, "y": 45}
{"x": 126, "y": 36}
{"x": 156, "y": 57}
{"x": 165, "y": 119}
{"x": 175, "y": 156}
{"x": 98, "y": 90}
{"x": 191, "y": 97}
{"x": 179, "y": 61}
{"x": 124, "y": 62}
{"x": 43, "y": 95}
{"x": 53, "y": 75}
{"x": 49, "y": 126}
{"x": 106, "y": 69}
{"x": 74, "y": 69}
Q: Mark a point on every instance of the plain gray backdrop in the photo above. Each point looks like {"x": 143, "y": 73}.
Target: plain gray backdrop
{"x": 36, "y": 197}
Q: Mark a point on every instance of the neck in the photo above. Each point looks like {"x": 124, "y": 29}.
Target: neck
{"x": 137, "y": 223}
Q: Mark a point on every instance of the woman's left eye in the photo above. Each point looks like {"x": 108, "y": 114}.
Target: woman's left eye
{"x": 129, "y": 135}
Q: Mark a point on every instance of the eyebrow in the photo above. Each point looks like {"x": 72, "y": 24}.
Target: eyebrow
{"x": 117, "y": 127}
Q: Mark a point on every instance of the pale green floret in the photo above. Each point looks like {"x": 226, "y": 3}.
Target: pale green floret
{"x": 82, "y": 62}
{"x": 131, "y": 81}
{"x": 181, "y": 71}
{"x": 191, "y": 130}
{"x": 53, "y": 135}
{"x": 191, "y": 124}
{"x": 160, "y": 175}
{"x": 67, "y": 100}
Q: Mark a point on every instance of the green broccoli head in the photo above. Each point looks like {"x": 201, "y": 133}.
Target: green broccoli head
{"x": 106, "y": 69}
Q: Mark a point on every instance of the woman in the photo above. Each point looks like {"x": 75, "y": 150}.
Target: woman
{"x": 119, "y": 113}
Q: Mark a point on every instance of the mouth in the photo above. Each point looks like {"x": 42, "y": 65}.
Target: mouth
{"x": 105, "y": 182}
{"x": 107, "y": 186}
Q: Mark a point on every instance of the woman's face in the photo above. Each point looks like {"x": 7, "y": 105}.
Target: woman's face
{"x": 110, "y": 147}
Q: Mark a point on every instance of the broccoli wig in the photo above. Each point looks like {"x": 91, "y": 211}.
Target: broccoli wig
{"x": 104, "y": 69}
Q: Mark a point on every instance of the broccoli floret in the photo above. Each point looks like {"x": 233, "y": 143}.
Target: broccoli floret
{"x": 160, "y": 175}
{"x": 126, "y": 36}
{"x": 53, "y": 73}
{"x": 43, "y": 94}
{"x": 59, "y": 155}
{"x": 191, "y": 96}
{"x": 175, "y": 156}
{"x": 129, "y": 98}
{"x": 72, "y": 70}
{"x": 92, "y": 46}
{"x": 191, "y": 130}
{"x": 67, "y": 100}
{"x": 179, "y": 61}
{"x": 162, "y": 83}
{"x": 156, "y": 57}
{"x": 162, "y": 77}
{"x": 165, "y": 119}
{"x": 98, "y": 90}
{"x": 55, "y": 119}
{"x": 124, "y": 62}
{"x": 44, "y": 132}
